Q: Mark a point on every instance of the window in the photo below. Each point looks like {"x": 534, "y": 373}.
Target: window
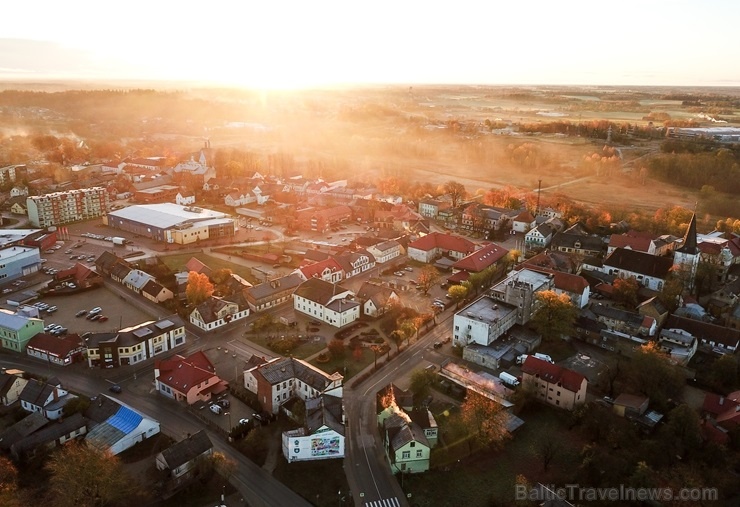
{"x": 406, "y": 455}
{"x": 413, "y": 444}
{"x": 419, "y": 453}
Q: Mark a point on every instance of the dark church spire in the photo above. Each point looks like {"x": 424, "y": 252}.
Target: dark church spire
{"x": 689, "y": 239}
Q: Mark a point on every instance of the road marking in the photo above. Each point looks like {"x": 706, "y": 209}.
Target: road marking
{"x": 386, "y": 502}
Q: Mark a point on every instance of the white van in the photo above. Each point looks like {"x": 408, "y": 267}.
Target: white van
{"x": 544, "y": 357}
{"x": 215, "y": 409}
{"x": 508, "y": 379}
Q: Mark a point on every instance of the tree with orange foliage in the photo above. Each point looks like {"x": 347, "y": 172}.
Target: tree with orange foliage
{"x": 485, "y": 419}
{"x": 199, "y": 288}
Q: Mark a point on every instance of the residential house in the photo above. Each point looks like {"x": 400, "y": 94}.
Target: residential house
{"x": 576, "y": 240}
{"x": 322, "y": 434}
{"x": 523, "y": 222}
{"x": 280, "y": 379}
{"x": 190, "y": 379}
{"x": 19, "y": 208}
{"x": 114, "y": 426}
{"x": 326, "y": 302}
{"x": 642, "y": 242}
{"x": 679, "y": 344}
{"x": 724, "y": 410}
{"x": 135, "y": 344}
{"x": 376, "y": 299}
{"x": 182, "y": 457}
{"x": 626, "y": 322}
{"x": 328, "y": 270}
{"x": 431, "y": 207}
{"x": 385, "y": 251}
{"x": 538, "y": 237}
{"x": 16, "y": 330}
{"x": 81, "y": 275}
{"x": 714, "y": 338}
{"x": 11, "y": 386}
{"x": 60, "y": 350}
{"x": 550, "y": 213}
{"x": 355, "y": 262}
{"x": 653, "y": 308}
{"x": 185, "y": 198}
{"x": 19, "y": 191}
{"x": 432, "y": 246}
{"x": 50, "y": 436}
{"x": 554, "y": 384}
{"x": 47, "y": 397}
{"x": 273, "y": 292}
{"x": 22, "y": 429}
{"x": 406, "y": 447}
{"x": 649, "y": 271}
{"x": 490, "y": 256}
{"x": 215, "y": 312}
{"x": 156, "y": 292}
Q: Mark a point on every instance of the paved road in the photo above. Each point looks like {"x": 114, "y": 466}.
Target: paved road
{"x": 368, "y": 472}
{"x": 256, "y": 486}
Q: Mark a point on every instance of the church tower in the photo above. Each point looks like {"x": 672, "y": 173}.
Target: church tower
{"x": 687, "y": 257}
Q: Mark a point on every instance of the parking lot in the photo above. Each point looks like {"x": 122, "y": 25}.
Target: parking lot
{"x": 119, "y": 314}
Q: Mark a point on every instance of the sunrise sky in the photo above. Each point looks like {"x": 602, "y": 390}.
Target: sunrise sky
{"x": 294, "y": 44}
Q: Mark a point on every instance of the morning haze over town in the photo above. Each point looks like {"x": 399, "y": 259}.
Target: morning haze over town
{"x": 388, "y": 254}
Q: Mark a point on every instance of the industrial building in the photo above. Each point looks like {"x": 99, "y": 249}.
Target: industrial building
{"x": 172, "y": 223}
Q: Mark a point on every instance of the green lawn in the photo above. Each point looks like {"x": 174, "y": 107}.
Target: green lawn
{"x": 177, "y": 261}
{"x": 488, "y": 478}
{"x": 303, "y": 351}
{"x": 353, "y": 366}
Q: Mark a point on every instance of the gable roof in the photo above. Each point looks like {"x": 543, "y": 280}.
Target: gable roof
{"x": 444, "y": 242}
{"x": 317, "y": 268}
{"x": 639, "y": 262}
{"x": 377, "y": 293}
{"x": 525, "y": 216}
{"x": 152, "y": 287}
{"x": 704, "y": 331}
{"x": 634, "y": 240}
{"x": 318, "y": 290}
{"x": 183, "y": 373}
{"x": 37, "y": 392}
{"x": 279, "y": 285}
{"x": 195, "y": 265}
{"x": 553, "y": 374}
{"x": 187, "y": 450}
{"x": 482, "y": 258}
{"x": 283, "y": 369}
{"x": 566, "y": 282}
{"x": 209, "y": 308}
{"x": 59, "y": 346}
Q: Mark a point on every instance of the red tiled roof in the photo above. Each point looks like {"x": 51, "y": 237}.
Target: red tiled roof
{"x": 59, "y": 346}
{"x": 634, "y": 240}
{"x": 195, "y": 265}
{"x": 564, "y": 281}
{"x": 183, "y": 373}
{"x": 717, "y": 404}
{"x": 316, "y": 269}
{"x": 481, "y": 259}
{"x": 711, "y": 248}
{"x": 443, "y": 241}
{"x": 553, "y": 374}
{"x": 524, "y": 216}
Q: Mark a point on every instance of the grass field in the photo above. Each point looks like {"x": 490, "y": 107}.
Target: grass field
{"x": 489, "y": 478}
{"x": 348, "y": 366}
{"x": 177, "y": 261}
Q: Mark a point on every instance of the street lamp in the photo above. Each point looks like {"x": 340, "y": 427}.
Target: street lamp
{"x": 229, "y": 414}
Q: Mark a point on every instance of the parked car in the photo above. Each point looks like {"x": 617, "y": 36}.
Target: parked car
{"x": 437, "y": 345}
{"x": 95, "y": 317}
{"x": 115, "y": 388}
{"x": 95, "y": 310}
{"x": 408, "y": 268}
{"x": 51, "y": 309}
{"x": 224, "y": 403}
{"x": 244, "y": 421}
{"x": 216, "y": 409}
{"x": 7, "y": 290}
{"x": 101, "y": 318}
{"x": 80, "y": 313}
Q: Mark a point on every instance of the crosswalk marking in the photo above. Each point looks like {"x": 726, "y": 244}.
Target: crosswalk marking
{"x": 386, "y": 502}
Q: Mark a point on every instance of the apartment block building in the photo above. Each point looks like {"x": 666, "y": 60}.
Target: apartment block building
{"x": 66, "y": 207}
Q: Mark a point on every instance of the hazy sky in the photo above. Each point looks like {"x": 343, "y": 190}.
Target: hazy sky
{"x": 305, "y": 43}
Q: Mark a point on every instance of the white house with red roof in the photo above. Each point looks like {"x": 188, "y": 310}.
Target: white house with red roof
{"x": 642, "y": 242}
{"x": 574, "y": 286}
{"x": 432, "y": 246}
{"x": 523, "y": 222}
{"x": 554, "y": 384}
{"x": 190, "y": 379}
{"x": 328, "y": 270}
{"x": 385, "y": 251}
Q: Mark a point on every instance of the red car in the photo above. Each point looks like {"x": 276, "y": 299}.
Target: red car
{"x": 102, "y": 318}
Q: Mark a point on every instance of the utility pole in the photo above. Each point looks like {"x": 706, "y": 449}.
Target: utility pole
{"x": 539, "y": 191}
